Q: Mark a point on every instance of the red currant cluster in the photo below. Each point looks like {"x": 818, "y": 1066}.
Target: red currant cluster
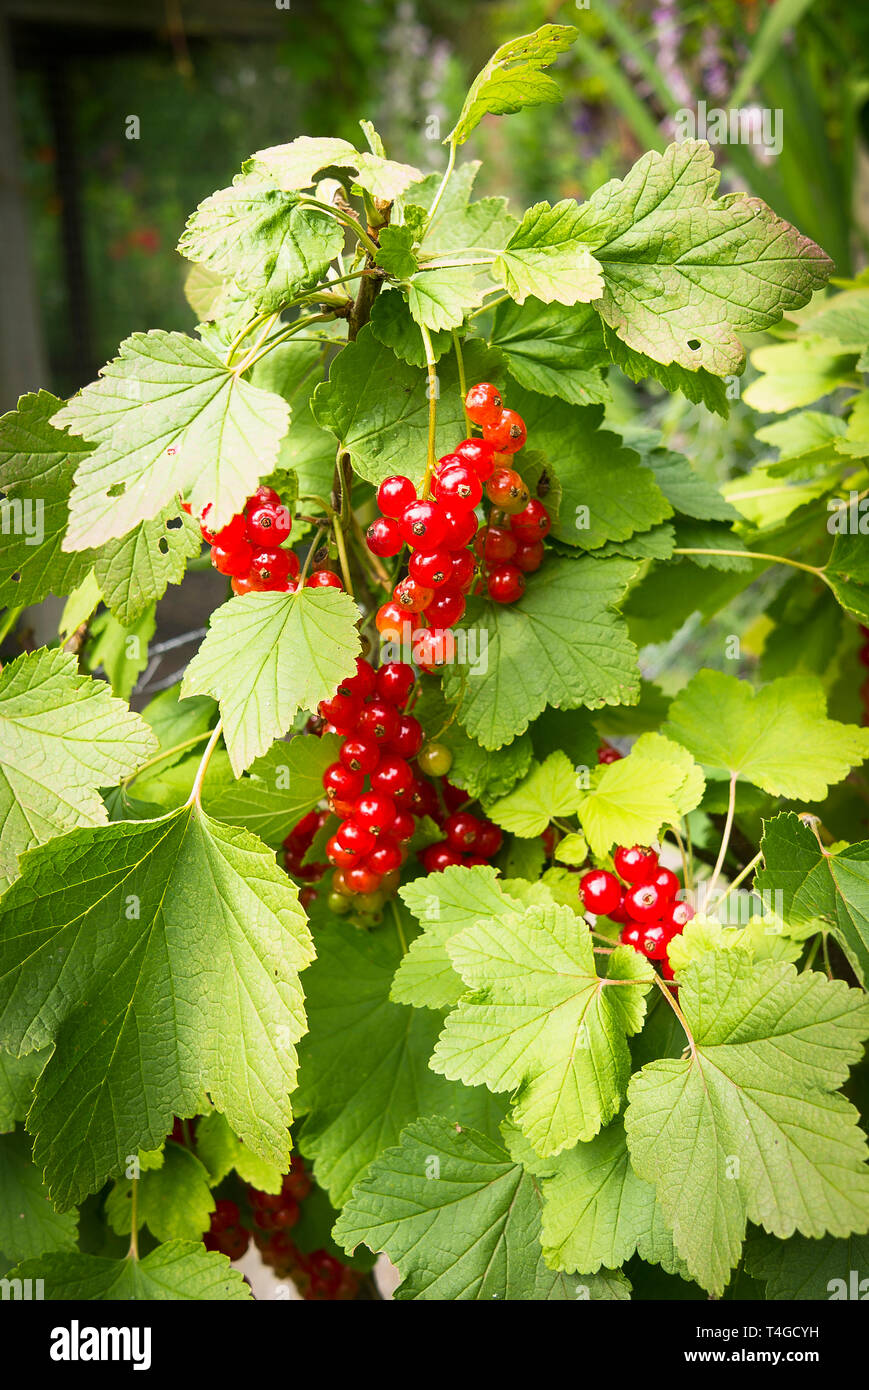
{"x": 296, "y": 846}
{"x": 226, "y": 1232}
{"x": 249, "y": 548}
{"x": 645, "y": 901}
{"x": 439, "y": 530}
{"x": 379, "y": 788}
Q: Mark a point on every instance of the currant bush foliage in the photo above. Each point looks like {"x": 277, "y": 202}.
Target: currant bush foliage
{"x": 505, "y": 1101}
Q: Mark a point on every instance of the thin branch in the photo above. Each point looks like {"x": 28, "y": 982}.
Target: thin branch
{"x": 725, "y": 841}
{"x": 431, "y": 367}
{"x": 195, "y": 797}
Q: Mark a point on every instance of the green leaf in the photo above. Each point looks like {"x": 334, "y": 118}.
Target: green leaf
{"x": 261, "y": 236}
{"x": 685, "y": 489}
{"x": 175, "y": 720}
{"x": 377, "y": 408}
{"x": 297, "y": 165}
{"x": 121, "y": 652}
{"x": 392, "y": 325}
{"x": 512, "y": 78}
{"x": 799, "y": 372}
{"x": 550, "y": 789}
{"x": 444, "y": 904}
{"x": 541, "y": 1022}
{"x": 548, "y": 258}
{"x": 37, "y": 463}
{"x": 818, "y": 886}
{"x": 364, "y": 1064}
{"x": 459, "y": 1217}
{"x": 62, "y": 736}
{"x": 167, "y": 417}
{"x": 17, "y": 1081}
{"x": 459, "y": 223}
{"x": 555, "y": 350}
{"x": 180, "y": 1270}
{"x": 698, "y": 386}
{"x": 135, "y": 571}
{"x": 440, "y": 299}
{"x": 29, "y": 1225}
{"x": 572, "y": 850}
{"x": 686, "y": 273}
{"x": 763, "y": 937}
{"x": 779, "y": 737}
{"x": 628, "y": 802}
{"x": 269, "y": 655}
{"x": 596, "y": 1211}
{"x": 294, "y": 370}
{"x": 395, "y": 254}
{"x": 847, "y": 573}
{"x": 809, "y": 1269}
{"x": 221, "y": 1150}
{"x": 283, "y": 786}
{"x": 748, "y": 1127}
{"x": 561, "y": 644}
{"x": 174, "y": 1200}
{"x": 162, "y": 958}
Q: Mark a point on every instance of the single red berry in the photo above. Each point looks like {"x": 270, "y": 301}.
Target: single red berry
{"x": 433, "y": 648}
{"x": 489, "y": 839}
{"x": 225, "y": 1215}
{"x": 375, "y": 812}
{"x": 607, "y": 754}
{"x": 386, "y": 857}
{"x": 483, "y": 403}
{"x": 438, "y": 857}
{"x": 430, "y": 569}
{"x": 342, "y": 710}
{"x": 643, "y": 903}
{"x": 409, "y": 739}
{"x": 360, "y": 754}
{"x": 499, "y": 545}
{"x": 324, "y": 579}
{"x": 423, "y": 798}
{"x": 600, "y": 892}
{"x": 464, "y": 568}
{"x": 459, "y": 486}
{"x": 354, "y": 836}
{"x": 462, "y": 830}
{"x": 422, "y": 526}
{"x": 269, "y": 524}
{"x": 240, "y": 584}
{"x": 394, "y": 494}
{"x": 631, "y": 935}
{"x": 361, "y": 879}
{"x": 533, "y": 523}
{"x": 363, "y": 683}
{"x": 263, "y": 497}
{"x": 460, "y": 527}
{"x": 235, "y": 562}
{"x": 636, "y": 864}
{"x": 378, "y": 720}
{"x": 505, "y": 583}
{"x": 393, "y": 776}
{"x": 678, "y": 916}
{"x": 270, "y": 569}
{"x": 666, "y": 883}
{"x": 411, "y": 596}
{"x": 395, "y": 681}
{"x": 390, "y": 621}
{"x": 338, "y": 853}
{"x": 402, "y": 827}
{"x": 230, "y": 536}
{"x": 384, "y": 537}
{"x": 506, "y": 490}
{"x": 507, "y": 433}
{"x": 480, "y": 454}
{"x": 529, "y": 556}
{"x": 653, "y": 942}
{"x": 304, "y": 830}
{"x": 446, "y": 607}
{"x": 341, "y": 782}
{"x": 667, "y": 970}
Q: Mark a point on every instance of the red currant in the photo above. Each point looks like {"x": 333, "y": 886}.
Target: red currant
{"x": 430, "y": 569}
{"x": 395, "y": 681}
{"x": 411, "y": 596}
{"x": 402, "y": 827}
{"x": 600, "y": 892}
{"x": 324, "y": 579}
{"x": 390, "y": 621}
{"x": 666, "y": 883}
{"x": 269, "y": 524}
{"x": 225, "y": 1215}
{"x": 230, "y": 536}
{"x": 677, "y": 917}
{"x": 643, "y": 902}
{"x": 363, "y": 683}
{"x": 351, "y": 835}
{"x": 423, "y": 798}
{"x": 507, "y": 433}
{"x": 529, "y": 556}
{"x": 635, "y": 865}
{"x": 235, "y": 562}
{"x": 338, "y": 853}
{"x": 489, "y": 839}
{"x": 446, "y": 607}
{"x": 505, "y": 583}
{"x": 263, "y": 497}
{"x": 499, "y": 545}
{"x": 631, "y": 935}
{"x": 378, "y": 721}
{"x": 435, "y": 760}
{"x": 463, "y": 570}
{"x": 375, "y": 812}
{"x": 438, "y": 857}
{"x": 270, "y": 569}
{"x": 360, "y": 754}
{"x": 342, "y": 783}
{"x": 393, "y": 777}
{"x": 533, "y": 523}
{"x": 460, "y": 527}
{"x": 459, "y": 486}
{"x": 462, "y": 830}
{"x": 434, "y": 647}
{"x": 384, "y": 537}
{"x": 506, "y": 490}
{"x": 342, "y": 710}
{"x": 480, "y": 454}
{"x": 607, "y": 754}
{"x": 653, "y": 942}
{"x": 422, "y": 526}
{"x": 240, "y": 584}
{"x": 395, "y": 494}
{"x": 408, "y": 740}
{"x": 483, "y": 403}
{"x": 386, "y": 857}
{"x": 361, "y": 879}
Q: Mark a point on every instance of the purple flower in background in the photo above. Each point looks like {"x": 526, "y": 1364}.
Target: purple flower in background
{"x": 668, "y": 35}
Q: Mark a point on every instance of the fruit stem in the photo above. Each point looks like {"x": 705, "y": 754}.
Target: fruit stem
{"x": 755, "y": 555}
{"x": 725, "y": 841}
{"x": 270, "y": 322}
{"x": 195, "y": 797}
{"x": 492, "y": 304}
{"x": 431, "y": 366}
{"x": 743, "y": 873}
{"x": 315, "y": 545}
{"x": 133, "y": 1252}
{"x": 342, "y": 554}
{"x": 436, "y": 202}
{"x": 463, "y": 384}
{"x": 679, "y": 841}
{"x": 376, "y": 565}
{"x": 671, "y": 1000}
{"x": 261, "y": 349}
{"x": 240, "y": 337}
